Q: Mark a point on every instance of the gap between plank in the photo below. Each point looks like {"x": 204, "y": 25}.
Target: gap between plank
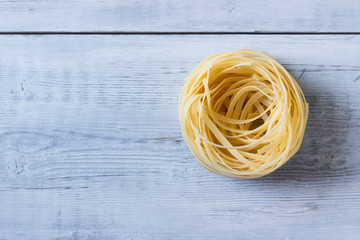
{"x": 174, "y": 33}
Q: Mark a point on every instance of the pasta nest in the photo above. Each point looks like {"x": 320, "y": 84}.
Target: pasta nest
{"x": 242, "y": 114}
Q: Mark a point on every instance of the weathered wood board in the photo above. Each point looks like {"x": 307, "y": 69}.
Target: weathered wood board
{"x": 91, "y": 146}
{"x": 180, "y": 16}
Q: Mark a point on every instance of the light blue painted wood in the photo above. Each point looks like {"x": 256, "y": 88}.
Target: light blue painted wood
{"x": 91, "y": 147}
{"x": 181, "y": 16}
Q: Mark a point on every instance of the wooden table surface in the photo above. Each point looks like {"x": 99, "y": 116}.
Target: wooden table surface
{"x": 91, "y": 146}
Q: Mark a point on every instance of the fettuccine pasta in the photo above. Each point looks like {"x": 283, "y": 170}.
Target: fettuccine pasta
{"x": 242, "y": 114}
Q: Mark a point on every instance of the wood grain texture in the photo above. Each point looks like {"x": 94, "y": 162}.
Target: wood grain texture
{"x": 180, "y": 16}
{"x": 91, "y": 146}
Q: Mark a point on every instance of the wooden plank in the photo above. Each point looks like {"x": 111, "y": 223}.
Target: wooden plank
{"x": 91, "y": 146}
{"x": 180, "y": 16}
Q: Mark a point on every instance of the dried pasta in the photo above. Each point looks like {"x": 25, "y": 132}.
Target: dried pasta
{"x": 242, "y": 114}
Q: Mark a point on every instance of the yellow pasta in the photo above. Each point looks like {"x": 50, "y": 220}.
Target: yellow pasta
{"x": 242, "y": 114}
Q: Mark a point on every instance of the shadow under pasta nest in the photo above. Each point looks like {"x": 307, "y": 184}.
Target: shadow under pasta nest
{"x": 323, "y": 153}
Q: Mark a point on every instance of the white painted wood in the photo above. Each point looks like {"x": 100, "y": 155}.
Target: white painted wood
{"x": 91, "y": 147}
{"x": 180, "y": 16}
